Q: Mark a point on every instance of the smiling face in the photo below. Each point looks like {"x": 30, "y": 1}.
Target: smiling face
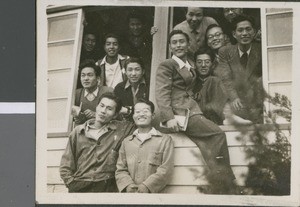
{"x": 203, "y": 65}
{"x": 88, "y": 78}
{"x": 106, "y": 111}
{"x": 111, "y": 47}
{"x": 194, "y": 16}
{"x": 215, "y": 38}
{"x": 142, "y": 115}
{"x": 244, "y": 33}
{"x": 179, "y": 45}
{"x": 134, "y": 72}
{"x": 135, "y": 26}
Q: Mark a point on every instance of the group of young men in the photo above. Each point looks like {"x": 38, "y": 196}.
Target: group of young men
{"x": 115, "y": 148}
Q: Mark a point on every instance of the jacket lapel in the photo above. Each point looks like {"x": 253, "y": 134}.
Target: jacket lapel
{"x": 186, "y": 75}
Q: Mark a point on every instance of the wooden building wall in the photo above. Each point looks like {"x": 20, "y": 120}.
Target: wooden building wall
{"x": 189, "y": 163}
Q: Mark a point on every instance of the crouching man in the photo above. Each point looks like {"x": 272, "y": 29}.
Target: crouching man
{"x": 89, "y": 161}
{"x": 145, "y": 158}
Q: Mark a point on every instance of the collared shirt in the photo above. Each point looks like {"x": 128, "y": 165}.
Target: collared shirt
{"x": 197, "y": 37}
{"x": 113, "y": 72}
{"x": 149, "y": 162}
{"x": 134, "y": 91}
{"x": 91, "y": 154}
{"x": 241, "y": 52}
{"x": 181, "y": 63}
{"x": 95, "y": 92}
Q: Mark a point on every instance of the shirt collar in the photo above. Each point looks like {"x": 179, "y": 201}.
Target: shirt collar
{"x": 89, "y": 124}
{"x": 128, "y": 83}
{"x": 95, "y": 92}
{"x": 181, "y": 63}
{"x": 120, "y": 57}
{"x": 152, "y": 132}
{"x": 241, "y": 52}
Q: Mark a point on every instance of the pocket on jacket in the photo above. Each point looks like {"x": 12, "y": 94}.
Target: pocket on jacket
{"x": 155, "y": 158}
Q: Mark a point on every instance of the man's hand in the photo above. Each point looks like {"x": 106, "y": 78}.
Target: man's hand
{"x": 89, "y": 114}
{"x": 80, "y": 119}
{"x": 237, "y": 104}
{"x": 173, "y": 124}
{"x": 153, "y": 30}
{"x": 143, "y": 189}
{"x": 132, "y": 188}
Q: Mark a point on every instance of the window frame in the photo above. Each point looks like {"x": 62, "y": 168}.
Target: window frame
{"x": 77, "y": 41}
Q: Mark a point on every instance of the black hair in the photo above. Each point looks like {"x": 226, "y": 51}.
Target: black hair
{"x": 204, "y": 50}
{"x": 174, "y": 32}
{"x": 112, "y": 96}
{"x": 134, "y": 60}
{"x": 136, "y": 15}
{"x": 241, "y": 18}
{"x": 210, "y": 27}
{"x": 148, "y": 102}
{"x": 91, "y": 64}
{"x": 112, "y": 35}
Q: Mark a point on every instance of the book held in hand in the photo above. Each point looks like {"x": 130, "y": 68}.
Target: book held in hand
{"x": 182, "y": 116}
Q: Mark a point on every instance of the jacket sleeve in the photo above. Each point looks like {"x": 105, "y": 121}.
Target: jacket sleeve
{"x": 123, "y": 177}
{"x": 163, "y": 90}
{"x": 224, "y": 72}
{"x": 157, "y": 181}
{"x": 68, "y": 164}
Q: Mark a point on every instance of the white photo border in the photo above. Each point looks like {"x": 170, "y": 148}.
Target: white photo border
{"x": 42, "y": 197}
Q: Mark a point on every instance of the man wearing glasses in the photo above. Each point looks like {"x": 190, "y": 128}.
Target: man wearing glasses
{"x": 195, "y": 26}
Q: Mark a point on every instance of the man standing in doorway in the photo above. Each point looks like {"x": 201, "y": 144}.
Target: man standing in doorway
{"x": 112, "y": 65}
{"x": 195, "y": 26}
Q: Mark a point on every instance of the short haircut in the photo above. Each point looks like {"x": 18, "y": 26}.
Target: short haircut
{"x": 112, "y": 96}
{"x": 89, "y": 33}
{"x": 134, "y": 60}
{"x": 112, "y": 35}
{"x": 203, "y": 51}
{"x": 241, "y": 18}
{"x": 209, "y": 28}
{"x": 174, "y": 32}
{"x": 89, "y": 63}
{"x": 187, "y": 8}
{"x": 145, "y": 101}
{"x": 136, "y": 15}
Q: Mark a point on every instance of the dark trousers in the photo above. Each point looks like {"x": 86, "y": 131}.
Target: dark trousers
{"x": 93, "y": 187}
{"x": 212, "y": 143}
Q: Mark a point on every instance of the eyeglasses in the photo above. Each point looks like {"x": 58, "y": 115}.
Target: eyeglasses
{"x": 206, "y": 62}
{"x": 217, "y": 35}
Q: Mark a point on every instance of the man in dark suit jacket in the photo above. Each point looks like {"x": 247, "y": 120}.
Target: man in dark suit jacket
{"x": 240, "y": 68}
{"x": 134, "y": 88}
{"x": 175, "y": 81}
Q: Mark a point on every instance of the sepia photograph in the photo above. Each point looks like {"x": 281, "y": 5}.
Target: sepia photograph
{"x": 167, "y": 102}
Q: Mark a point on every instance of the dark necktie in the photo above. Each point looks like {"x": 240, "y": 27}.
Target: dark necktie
{"x": 244, "y": 60}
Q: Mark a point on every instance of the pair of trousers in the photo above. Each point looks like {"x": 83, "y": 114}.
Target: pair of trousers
{"x": 211, "y": 141}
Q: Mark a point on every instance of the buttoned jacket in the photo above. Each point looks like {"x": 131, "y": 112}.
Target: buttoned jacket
{"x": 230, "y": 70}
{"x": 174, "y": 89}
